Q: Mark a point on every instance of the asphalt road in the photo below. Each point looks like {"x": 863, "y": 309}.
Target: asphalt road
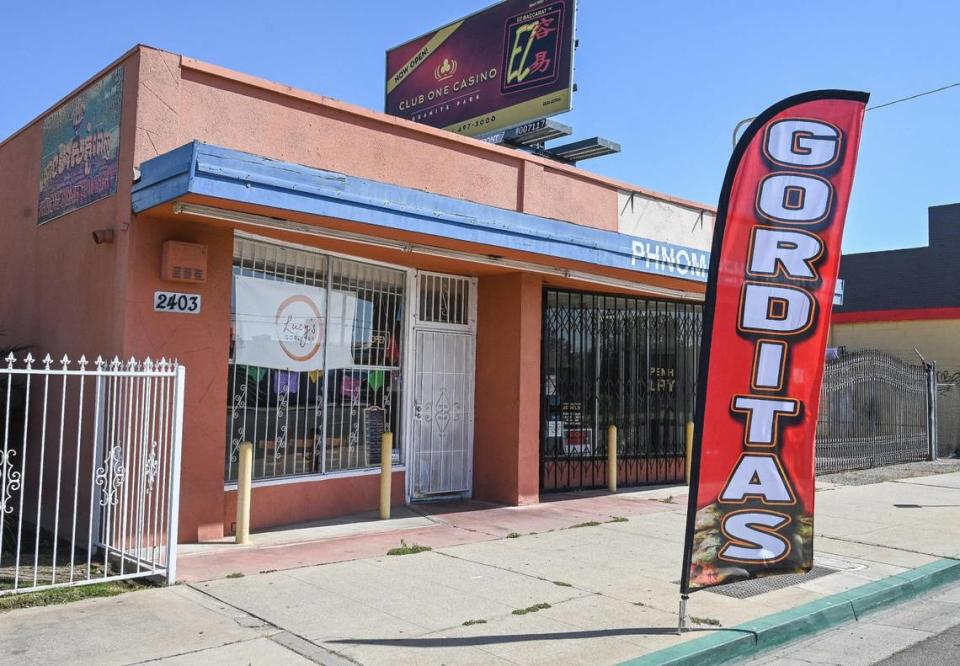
{"x": 942, "y": 648}
{"x": 922, "y": 632}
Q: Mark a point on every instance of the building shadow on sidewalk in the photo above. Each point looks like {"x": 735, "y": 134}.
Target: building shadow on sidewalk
{"x": 467, "y": 641}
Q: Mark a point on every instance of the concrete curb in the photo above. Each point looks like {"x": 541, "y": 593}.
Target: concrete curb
{"x": 750, "y": 639}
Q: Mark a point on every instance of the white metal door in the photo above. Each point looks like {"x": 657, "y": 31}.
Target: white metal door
{"x": 441, "y": 420}
{"x": 442, "y": 413}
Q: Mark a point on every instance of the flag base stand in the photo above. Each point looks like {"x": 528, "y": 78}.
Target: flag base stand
{"x": 682, "y": 620}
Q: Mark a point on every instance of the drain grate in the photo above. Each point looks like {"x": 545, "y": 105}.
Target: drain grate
{"x": 751, "y": 588}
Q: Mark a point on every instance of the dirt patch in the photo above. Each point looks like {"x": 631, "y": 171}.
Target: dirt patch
{"x": 864, "y": 477}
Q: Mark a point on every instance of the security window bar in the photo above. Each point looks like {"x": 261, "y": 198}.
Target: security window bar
{"x": 444, "y": 299}
{"x": 615, "y": 360}
{"x": 364, "y": 398}
{"x": 325, "y": 408}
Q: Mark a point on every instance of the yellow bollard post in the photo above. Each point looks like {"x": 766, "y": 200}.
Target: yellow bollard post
{"x": 689, "y": 449}
{"x": 244, "y": 479}
{"x": 612, "y": 458}
{"x": 386, "y": 473}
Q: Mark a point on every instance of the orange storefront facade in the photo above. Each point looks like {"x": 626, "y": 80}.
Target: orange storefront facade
{"x": 326, "y": 273}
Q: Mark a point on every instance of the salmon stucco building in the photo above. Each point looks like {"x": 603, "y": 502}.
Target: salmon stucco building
{"x": 326, "y": 273}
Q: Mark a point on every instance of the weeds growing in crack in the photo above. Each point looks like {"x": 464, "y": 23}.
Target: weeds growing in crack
{"x": 531, "y": 609}
{"x": 404, "y": 549}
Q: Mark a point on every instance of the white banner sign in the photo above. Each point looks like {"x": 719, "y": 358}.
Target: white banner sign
{"x": 283, "y": 325}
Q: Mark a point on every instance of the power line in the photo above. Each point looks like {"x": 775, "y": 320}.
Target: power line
{"x": 906, "y": 99}
{"x": 736, "y": 130}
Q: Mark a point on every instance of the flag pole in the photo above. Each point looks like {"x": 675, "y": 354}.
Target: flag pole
{"x": 682, "y": 621}
{"x": 706, "y": 339}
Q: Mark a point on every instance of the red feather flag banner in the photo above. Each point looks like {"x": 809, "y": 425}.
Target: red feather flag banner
{"x": 773, "y": 268}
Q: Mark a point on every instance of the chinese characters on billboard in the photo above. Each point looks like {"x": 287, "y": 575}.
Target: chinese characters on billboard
{"x": 80, "y": 146}
{"x": 500, "y": 67}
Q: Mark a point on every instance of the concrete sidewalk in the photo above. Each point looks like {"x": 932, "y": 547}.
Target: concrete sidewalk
{"x": 437, "y": 525}
{"x": 578, "y": 585}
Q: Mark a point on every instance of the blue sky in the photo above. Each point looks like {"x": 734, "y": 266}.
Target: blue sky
{"x": 667, "y": 80}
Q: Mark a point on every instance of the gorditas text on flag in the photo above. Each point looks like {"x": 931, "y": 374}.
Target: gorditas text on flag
{"x": 774, "y": 265}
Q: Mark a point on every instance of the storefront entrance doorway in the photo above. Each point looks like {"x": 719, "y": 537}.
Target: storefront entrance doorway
{"x": 440, "y": 462}
{"x": 615, "y": 360}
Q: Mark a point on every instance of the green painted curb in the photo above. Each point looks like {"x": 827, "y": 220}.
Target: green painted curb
{"x": 756, "y": 636}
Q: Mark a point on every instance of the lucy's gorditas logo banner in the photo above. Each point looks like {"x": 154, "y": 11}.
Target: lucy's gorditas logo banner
{"x": 292, "y": 326}
{"x": 504, "y": 65}
{"x": 776, "y": 250}
{"x": 80, "y": 146}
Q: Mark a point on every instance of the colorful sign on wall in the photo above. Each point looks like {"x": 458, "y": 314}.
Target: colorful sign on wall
{"x": 774, "y": 262}
{"x": 80, "y": 149}
{"x": 503, "y": 66}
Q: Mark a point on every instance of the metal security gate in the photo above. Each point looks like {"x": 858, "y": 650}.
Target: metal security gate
{"x": 615, "y": 360}
{"x": 874, "y": 410}
{"x": 948, "y": 420}
{"x": 89, "y": 472}
{"x": 441, "y": 446}
{"x": 441, "y": 425}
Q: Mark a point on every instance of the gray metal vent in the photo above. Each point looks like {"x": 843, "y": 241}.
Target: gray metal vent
{"x": 757, "y": 586}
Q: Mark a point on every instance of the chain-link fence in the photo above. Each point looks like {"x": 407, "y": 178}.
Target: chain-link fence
{"x": 873, "y": 412}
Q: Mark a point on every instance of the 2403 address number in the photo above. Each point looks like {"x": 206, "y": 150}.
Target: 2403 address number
{"x": 171, "y": 301}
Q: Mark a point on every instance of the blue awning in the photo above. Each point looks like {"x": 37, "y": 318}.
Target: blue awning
{"x": 211, "y": 171}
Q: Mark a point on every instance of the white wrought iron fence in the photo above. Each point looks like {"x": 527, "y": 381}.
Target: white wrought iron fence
{"x": 89, "y": 472}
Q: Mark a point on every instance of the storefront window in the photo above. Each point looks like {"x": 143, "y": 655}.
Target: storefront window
{"x": 314, "y": 361}
{"x": 615, "y": 360}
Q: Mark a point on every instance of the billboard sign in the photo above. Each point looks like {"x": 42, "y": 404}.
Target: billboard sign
{"x": 80, "y": 148}
{"x": 773, "y": 268}
{"x": 503, "y": 66}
